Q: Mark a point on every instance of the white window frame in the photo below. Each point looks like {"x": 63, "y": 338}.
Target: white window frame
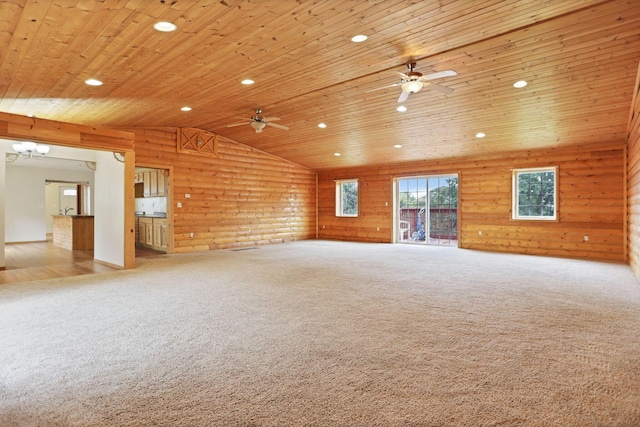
{"x": 515, "y": 194}
{"x": 339, "y": 190}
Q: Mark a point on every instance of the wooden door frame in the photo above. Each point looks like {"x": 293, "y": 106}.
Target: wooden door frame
{"x": 20, "y": 128}
{"x": 169, "y": 196}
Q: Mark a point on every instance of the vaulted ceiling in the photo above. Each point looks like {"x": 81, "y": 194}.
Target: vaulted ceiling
{"x": 579, "y": 57}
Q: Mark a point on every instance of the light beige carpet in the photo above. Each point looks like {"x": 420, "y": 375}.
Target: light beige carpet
{"x": 319, "y": 333}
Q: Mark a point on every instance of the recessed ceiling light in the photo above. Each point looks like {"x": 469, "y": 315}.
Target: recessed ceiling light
{"x": 337, "y": 154}
{"x": 322, "y": 125}
{"x": 186, "y": 108}
{"x": 93, "y": 82}
{"x": 480, "y": 135}
{"x": 165, "y": 27}
{"x": 520, "y": 84}
{"x": 401, "y": 108}
{"x": 359, "y": 38}
{"x": 397, "y": 146}
{"x": 247, "y": 82}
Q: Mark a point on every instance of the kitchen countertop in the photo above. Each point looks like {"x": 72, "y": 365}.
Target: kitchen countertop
{"x": 151, "y": 215}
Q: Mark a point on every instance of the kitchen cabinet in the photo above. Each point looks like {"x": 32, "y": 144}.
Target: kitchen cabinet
{"x": 161, "y": 187}
{"x": 154, "y": 183}
{"x": 145, "y": 231}
{"x": 146, "y": 181}
{"x": 153, "y": 232}
{"x": 160, "y": 229}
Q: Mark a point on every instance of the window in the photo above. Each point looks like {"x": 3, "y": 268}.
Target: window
{"x": 347, "y": 197}
{"x": 535, "y": 193}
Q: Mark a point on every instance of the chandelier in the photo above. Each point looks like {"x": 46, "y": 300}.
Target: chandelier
{"x": 29, "y": 150}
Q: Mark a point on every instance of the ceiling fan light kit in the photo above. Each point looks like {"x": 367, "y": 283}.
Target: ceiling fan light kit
{"x": 411, "y": 86}
{"x": 413, "y": 81}
{"x": 258, "y": 122}
{"x": 258, "y": 126}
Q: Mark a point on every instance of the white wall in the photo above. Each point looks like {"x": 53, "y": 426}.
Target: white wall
{"x": 25, "y": 200}
{"x": 53, "y": 199}
{"x": 109, "y": 210}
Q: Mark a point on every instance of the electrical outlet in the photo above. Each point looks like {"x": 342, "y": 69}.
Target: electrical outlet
{"x": 586, "y": 238}
{"x": 179, "y": 204}
{"x": 187, "y": 196}
{"x": 377, "y": 228}
{"x": 479, "y": 232}
{"x": 191, "y": 235}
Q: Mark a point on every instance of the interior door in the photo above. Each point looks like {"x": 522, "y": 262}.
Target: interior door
{"x": 427, "y": 210}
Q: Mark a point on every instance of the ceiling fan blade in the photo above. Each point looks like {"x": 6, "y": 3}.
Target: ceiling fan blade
{"x": 439, "y": 75}
{"x": 271, "y": 119}
{"x": 236, "y": 124}
{"x": 383, "y": 87}
{"x": 441, "y": 89}
{"x": 277, "y": 126}
{"x": 403, "y": 75}
{"x": 403, "y": 96}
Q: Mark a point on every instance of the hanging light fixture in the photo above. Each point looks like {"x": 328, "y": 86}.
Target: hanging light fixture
{"x": 30, "y": 150}
{"x": 258, "y": 125}
{"x": 411, "y": 86}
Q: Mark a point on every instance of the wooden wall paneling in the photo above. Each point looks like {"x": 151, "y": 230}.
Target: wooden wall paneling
{"x": 633, "y": 181}
{"x": 67, "y": 134}
{"x": 239, "y": 196}
{"x": 591, "y": 202}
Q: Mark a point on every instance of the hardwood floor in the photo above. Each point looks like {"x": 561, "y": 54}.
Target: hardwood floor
{"x": 42, "y": 260}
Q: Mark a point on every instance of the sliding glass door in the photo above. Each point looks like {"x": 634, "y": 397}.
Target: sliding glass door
{"x": 427, "y": 210}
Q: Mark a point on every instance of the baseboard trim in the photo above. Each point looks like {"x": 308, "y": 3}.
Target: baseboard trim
{"x": 108, "y": 264}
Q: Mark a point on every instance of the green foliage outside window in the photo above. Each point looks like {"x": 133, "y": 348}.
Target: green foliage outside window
{"x": 350, "y": 198}
{"x": 347, "y": 197}
{"x": 536, "y": 194}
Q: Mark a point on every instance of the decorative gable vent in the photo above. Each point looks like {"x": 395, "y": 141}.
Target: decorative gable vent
{"x": 197, "y": 141}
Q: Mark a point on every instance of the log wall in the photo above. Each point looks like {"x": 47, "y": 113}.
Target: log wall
{"x": 590, "y": 198}
{"x": 633, "y": 182}
{"x": 240, "y": 196}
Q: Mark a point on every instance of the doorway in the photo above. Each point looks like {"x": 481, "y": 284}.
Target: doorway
{"x": 153, "y": 216}
{"x": 427, "y": 210}
{"x": 66, "y": 198}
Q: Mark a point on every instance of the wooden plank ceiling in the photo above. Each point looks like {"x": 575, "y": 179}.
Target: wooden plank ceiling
{"x": 579, "y": 57}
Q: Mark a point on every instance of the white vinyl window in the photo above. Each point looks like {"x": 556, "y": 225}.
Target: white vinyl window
{"x": 347, "y": 197}
{"x": 535, "y": 193}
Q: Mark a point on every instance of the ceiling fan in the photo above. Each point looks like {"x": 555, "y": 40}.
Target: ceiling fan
{"x": 258, "y": 122}
{"x": 413, "y": 81}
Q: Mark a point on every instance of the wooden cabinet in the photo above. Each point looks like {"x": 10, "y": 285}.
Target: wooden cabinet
{"x": 161, "y": 184}
{"x": 145, "y": 231}
{"x": 153, "y": 232}
{"x": 164, "y": 242}
{"x": 160, "y": 233}
{"x": 147, "y": 183}
{"x": 154, "y": 182}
